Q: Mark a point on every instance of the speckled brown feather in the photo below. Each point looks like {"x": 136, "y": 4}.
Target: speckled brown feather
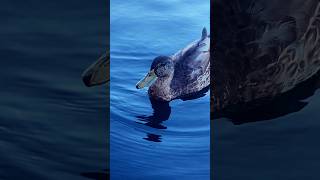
{"x": 262, "y": 48}
{"x": 191, "y": 72}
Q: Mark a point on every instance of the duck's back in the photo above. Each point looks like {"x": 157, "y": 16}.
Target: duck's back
{"x": 192, "y": 67}
{"x": 263, "y": 48}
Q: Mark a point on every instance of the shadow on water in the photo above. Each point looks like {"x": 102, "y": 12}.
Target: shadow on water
{"x": 268, "y": 109}
{"x": 97, "y": 175}
{"x": 161, "y": 113}
{"x": 153, "y": 137}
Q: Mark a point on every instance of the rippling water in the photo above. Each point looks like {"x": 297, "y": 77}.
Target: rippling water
{"x": 170, "y": 141}
{"x": 51, "y": 126}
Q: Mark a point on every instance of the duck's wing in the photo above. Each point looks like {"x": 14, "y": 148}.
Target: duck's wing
{"x": 253, "y": 38}
{"x": 298, "y": 61}
{"x": 98, "y": 72}
{"x": 192, "y": 62}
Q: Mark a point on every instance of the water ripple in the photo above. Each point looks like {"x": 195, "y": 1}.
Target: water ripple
{"x": 150, "y": 139}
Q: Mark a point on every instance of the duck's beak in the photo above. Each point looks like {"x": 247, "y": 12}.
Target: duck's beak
{"x": 98, "y": 72}
{"x": 147, "y": 80}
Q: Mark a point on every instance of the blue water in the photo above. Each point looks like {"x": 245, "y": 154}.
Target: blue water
{"x": 51, "y": 126}
{"x": 145, "y": 144}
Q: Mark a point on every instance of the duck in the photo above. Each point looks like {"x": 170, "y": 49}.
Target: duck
{"x": 180, "y": 75}
{"x": 263, "y": 49}
{"x": 97, "y": 73}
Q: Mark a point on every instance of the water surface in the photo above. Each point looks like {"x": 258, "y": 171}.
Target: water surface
{"x": 51, "y": 126}
{"x": 169, "y": 141}
{"x": 264, "y": 145}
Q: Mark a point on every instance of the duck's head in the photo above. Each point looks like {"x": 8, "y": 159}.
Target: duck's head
{"x": 161, "y": 67}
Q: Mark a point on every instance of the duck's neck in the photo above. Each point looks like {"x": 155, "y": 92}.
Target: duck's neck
{"x": 161, "y": 88}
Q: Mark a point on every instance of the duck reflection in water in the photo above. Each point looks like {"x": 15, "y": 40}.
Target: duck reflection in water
{"x": 266, "y": 109}
{"x": 161, "y": 113}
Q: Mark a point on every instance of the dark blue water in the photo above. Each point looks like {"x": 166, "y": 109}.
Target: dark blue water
{"x": 51, "y": 126}
{"x": 284, "y": 147}
{"x": 168, "y": 142}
